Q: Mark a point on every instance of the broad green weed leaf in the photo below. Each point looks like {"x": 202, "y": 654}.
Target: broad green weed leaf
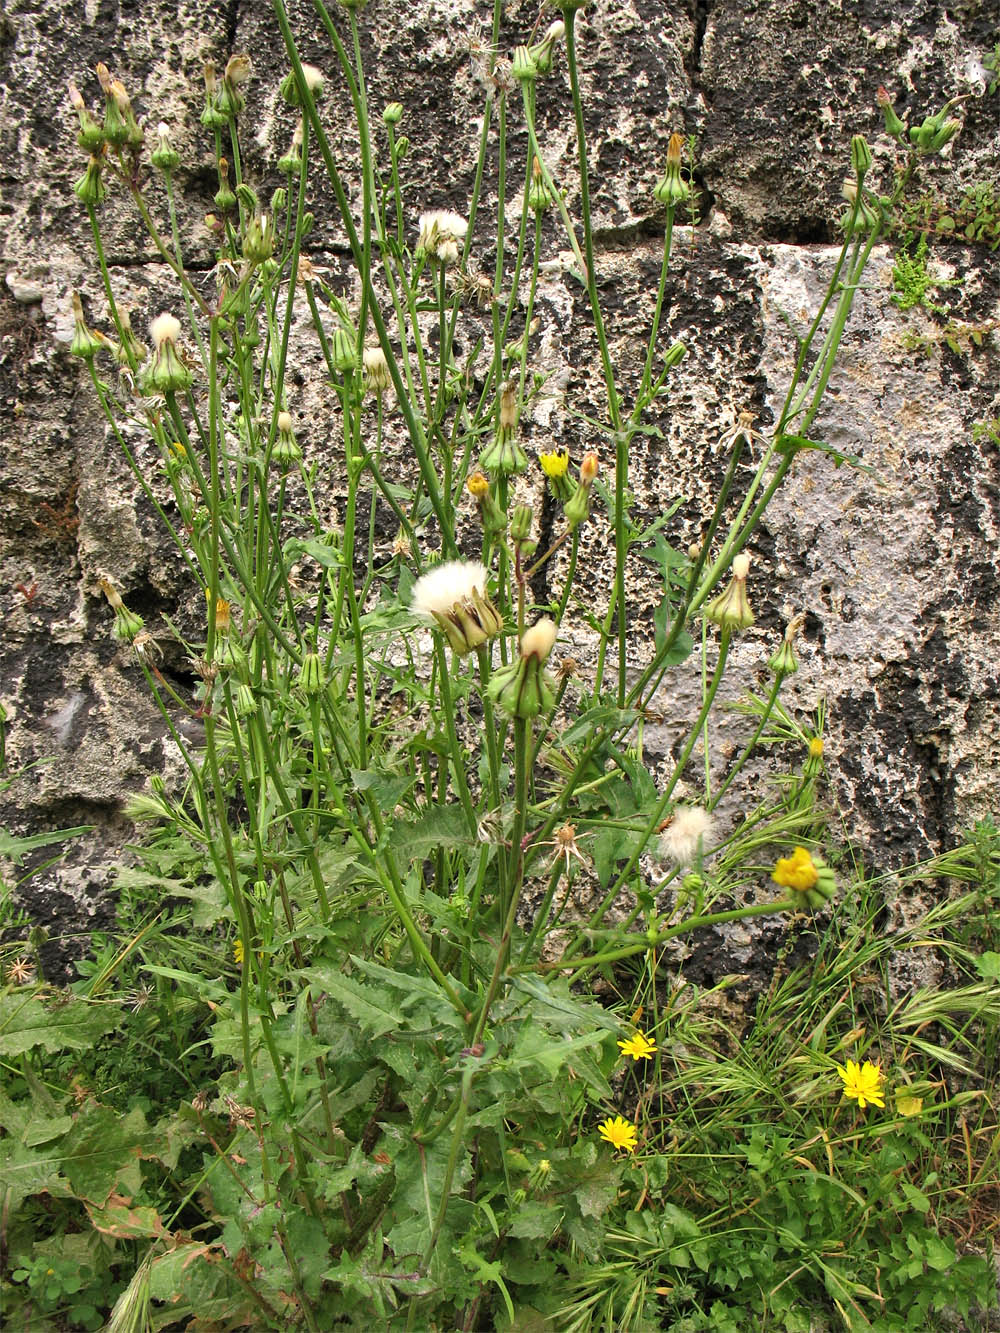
{"x": 61, "y": 1025}
{"x": 374, "y": 1008}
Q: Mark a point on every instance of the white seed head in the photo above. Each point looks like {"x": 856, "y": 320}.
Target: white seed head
{"x": 284, "y": 421}
{"x": 555, "y": 32}
{"x": 741, "y": 565}
{"x": 440, "y": 229}
{"x": 538, "y": 641}
{"x": 447, "y": 252}
{"x": 446, "y": 585}
{"x": 165, "y": 328}
{"x": 313, "y": 78}
{"x": 690, "y": 829}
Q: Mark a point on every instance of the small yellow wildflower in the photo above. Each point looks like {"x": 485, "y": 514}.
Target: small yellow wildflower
{"x": 238, "y": 952}
{"x": 638, "y": 1046}
{"x": 619, "y": 1133}
{"x": 862, "y": 1083}
{"x": 816, "y": 747}
{"x": 908, "y": 1106}
{"x": 555, "y": 464}
{"x": 796, "y": 871}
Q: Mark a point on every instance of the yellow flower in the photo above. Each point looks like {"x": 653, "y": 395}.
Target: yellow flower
{"x": 862, "y": 1083}
{"x": 816, "y": 747}
{"x": 238, "y": 952}
{"x": 619, "y": 1133}
{"x": 638, "y": 1046}
{"x": 555, "y": 464}
{"x": 796, "y": 871}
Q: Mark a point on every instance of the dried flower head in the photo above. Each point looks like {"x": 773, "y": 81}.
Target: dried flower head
{"x": 685, "y": 836}
{"x": 21, "y": 972}
{"x": 439, "y": 234}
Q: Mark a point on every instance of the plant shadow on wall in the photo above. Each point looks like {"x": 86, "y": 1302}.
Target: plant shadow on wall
{"x": 330, "y": 1072}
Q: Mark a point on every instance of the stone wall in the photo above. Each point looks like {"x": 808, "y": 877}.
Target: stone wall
{"x": 896, "y": 569}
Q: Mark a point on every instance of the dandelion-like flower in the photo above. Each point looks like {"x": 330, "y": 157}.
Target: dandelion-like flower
{"x": 619, "y": 1133}
{"x": 807, "y": 874}
{"x": 440, "y": 232}
{"x": 453, "y": 595}
{"x": 684, "y": 838}
{"x": 862, "y": 1083}
{"x": 638, "y": 1046}
{"x": 797, "y": 871}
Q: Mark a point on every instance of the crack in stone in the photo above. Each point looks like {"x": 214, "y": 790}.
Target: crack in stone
{"x": 699, "y": 18}
{"x": 232, "y": 23}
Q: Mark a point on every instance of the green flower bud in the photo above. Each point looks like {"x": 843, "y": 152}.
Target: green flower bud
{"x": 523, "y": 69}
{"x": 784, "y": 661}
{"x": 345, "y": 351}
{"x": 576, "y": 510}
{"x": 312, "y": 678}
{"x": 538, "y": 191}
{"x": 393, "y": 113}
{"x": 85, "y": 344}
{"x": 229, "y": 656}
{"x": 945, "y": 134}
{"x": 675, "y": 354}
{"x": 731, "y": 609}
{"x": 861, "y": 156}
{"x": 672, "y": 189}
{"x": 213, "y": 119}
{"x": 286, "y": 450}
{"x": 520, "y": 524}
{"x": 224, "y": 199}
{"x": 258, "y": 244}
{"x": 90, "y": 187}
{"x": 166, "y": 373}
{"x": 117, "y": 129}
{"x": 127, "y": 623}
{"x": 164, "y": 156}
{"x": 524, "y": 689}
{"x": 402, "y": 147}
{"x": 91, "y": 135}
{"x": 893, "y": 124}
{"x": 541, "y": 53}
{"x": 505, "y": 455}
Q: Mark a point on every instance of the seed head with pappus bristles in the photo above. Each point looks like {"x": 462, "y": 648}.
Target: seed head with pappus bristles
{"x": 453, "y": 595}
{"x": 687, "y": 835}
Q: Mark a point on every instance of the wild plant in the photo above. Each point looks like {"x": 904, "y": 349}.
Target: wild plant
{"x": 420, "y": 839}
